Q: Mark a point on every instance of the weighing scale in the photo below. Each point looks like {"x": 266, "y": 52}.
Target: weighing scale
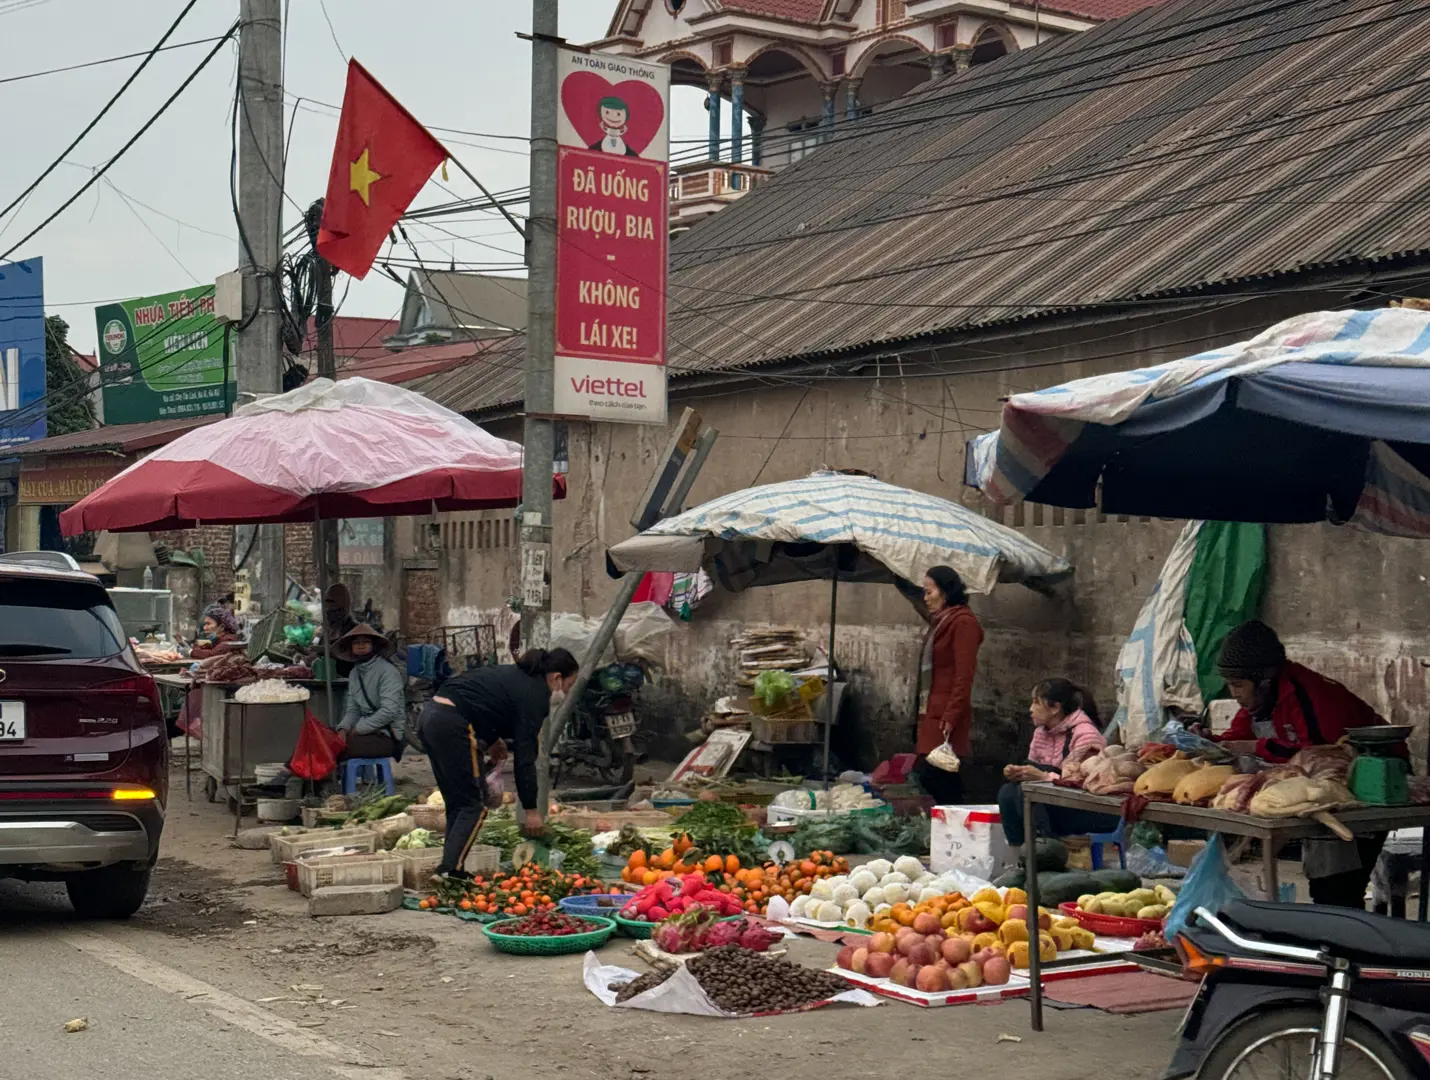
{"x": 1377, "y": 776}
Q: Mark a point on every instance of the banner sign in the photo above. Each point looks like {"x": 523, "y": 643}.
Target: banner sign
{"x": 361, "y": 541}
{"x": 22, "y": 352}
{"x": 63, "y": 480}
{"x": 612, "y": 208}
{"x": 163, "y": 358}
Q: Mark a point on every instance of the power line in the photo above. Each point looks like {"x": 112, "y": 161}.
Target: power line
{"x": 102, "y": 112}
{"x": 105, "y": 60}
{"x": 126, "y": 147}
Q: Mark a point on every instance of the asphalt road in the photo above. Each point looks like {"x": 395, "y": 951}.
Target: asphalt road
{"x": 145, "y": 1018}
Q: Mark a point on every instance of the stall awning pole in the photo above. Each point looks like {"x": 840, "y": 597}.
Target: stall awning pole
{"x": 322, "y": 610}
{"x": 829, "y": 681}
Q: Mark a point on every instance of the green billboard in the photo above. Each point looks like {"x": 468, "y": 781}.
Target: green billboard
{"x": 163, "y": 358}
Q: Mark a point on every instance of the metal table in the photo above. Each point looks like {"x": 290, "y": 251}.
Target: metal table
{"x": 172, "y": 684}
{"x": 1274, "y": 834}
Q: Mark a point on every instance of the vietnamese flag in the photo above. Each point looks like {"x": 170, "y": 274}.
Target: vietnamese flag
{"x": 382, "y": 158}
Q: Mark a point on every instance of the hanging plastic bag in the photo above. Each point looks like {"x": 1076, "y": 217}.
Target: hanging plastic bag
{"x": 1208, "y": 884}
{"x": 316, "y": 755}
{"x": 943, "y": 757}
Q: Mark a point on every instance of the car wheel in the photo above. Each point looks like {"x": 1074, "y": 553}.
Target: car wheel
{"x": 116, "y": 892}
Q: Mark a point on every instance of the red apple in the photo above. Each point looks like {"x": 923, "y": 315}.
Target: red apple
{"x": 957, "y": 979}
{"x": 1019, "y": 913}
{"x": 879, "y": 965}
{"x": 899, "y": 973}
{"x": 920, "y": 954}
{"x": 881, "y": 943}
{"x": 996, "y": 971}
{"x": 972, "y": 973}
{"x": 906, "y": 943}
{"x": 859, "y": 961}
{"x": 956, "y": 950}
{"x": 926, "y": 922}
{"x": 930, "y": 980}
{"x": 845, "y": 959}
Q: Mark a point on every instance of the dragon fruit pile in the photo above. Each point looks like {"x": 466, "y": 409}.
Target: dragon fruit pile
{"x": 699, "y": 928}
{"x": 673, "y": 896}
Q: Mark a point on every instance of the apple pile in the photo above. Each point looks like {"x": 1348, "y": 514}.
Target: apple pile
{"x": 926, "y": 958}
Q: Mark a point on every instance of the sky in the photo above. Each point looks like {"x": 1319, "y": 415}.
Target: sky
{"x": 161, "y": 219}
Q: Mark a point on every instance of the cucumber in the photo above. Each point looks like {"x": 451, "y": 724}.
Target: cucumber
{"x": 1115, "y": 881}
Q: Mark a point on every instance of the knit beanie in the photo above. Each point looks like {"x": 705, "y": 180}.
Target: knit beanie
{"x": 1251, "y": 651}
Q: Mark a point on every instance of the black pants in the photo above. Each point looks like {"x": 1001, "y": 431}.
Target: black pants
{"x": 457, "y": 764}
{"x": 1051, "y": 820}
{"x": 1347, "y": 890}
{"x": 945, "y": 788}
{"x": 379, "y": 744}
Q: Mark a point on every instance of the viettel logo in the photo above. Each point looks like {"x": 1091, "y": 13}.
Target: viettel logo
{"x": 115, "y": 337}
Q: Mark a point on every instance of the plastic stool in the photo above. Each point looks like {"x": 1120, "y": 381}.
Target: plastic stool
{"x": 357, "y": 768}
{"x": 1118, "y": 837}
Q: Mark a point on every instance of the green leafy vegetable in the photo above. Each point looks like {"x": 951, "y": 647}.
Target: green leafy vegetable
{"x": 772, "y": 687}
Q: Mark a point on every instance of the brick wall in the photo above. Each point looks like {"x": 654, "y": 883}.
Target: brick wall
{"x": 421, "y": 610}
{"x": 216, "y": 542}
{"x": 298, "y": 554}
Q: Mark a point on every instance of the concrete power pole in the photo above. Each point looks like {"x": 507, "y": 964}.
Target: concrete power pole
{"x": 325, "y": 535}
{"x": 538, "y": 438}
{"x": 260, "y": 212}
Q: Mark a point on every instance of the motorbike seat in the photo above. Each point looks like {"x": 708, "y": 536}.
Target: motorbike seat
{"x": 1358, "y": 936}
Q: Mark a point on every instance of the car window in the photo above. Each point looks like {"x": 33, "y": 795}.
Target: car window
{"x": 57, "y": 618}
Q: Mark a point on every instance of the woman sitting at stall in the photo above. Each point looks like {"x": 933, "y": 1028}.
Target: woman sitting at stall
{"x": 219, "y": 627}
{"x": 1065, "y": 722}
{"x": 374, "y": 719}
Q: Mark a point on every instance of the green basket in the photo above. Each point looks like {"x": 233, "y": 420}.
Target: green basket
{"x": 550, "y": 946}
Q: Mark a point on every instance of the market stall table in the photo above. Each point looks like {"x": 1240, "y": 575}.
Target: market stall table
{"x": 1274, "y": 834}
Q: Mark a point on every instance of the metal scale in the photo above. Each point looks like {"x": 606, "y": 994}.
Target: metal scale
{"x": 1377, "y": 776}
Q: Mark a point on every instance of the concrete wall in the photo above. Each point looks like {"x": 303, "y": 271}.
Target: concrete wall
{"x": 1348, "y": 603}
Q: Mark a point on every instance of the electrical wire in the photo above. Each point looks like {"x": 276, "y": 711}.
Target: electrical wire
{"x": 105, "y": 60}
{"x": 102, "y": 112}
{"x": 99, "y": 173}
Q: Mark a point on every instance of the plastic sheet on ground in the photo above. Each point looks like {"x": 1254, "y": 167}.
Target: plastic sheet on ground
{"x": 682, "y": 993}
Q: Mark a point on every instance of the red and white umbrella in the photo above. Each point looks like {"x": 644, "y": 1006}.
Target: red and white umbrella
{"x": 355, "y": 448}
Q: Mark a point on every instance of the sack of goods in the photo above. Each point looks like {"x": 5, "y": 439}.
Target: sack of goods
{"x": 1161, "y": 780}
{"x": 1200, "y": 786}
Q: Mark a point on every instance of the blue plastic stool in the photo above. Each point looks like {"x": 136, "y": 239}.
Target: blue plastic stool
{"x": 357, "y": 768}
{"x": 1118, "y": 837}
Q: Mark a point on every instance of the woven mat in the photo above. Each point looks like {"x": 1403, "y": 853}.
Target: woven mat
{"x": 1123, "y": 992}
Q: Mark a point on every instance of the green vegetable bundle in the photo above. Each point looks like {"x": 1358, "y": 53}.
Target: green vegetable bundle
{"x": 717, "y": 828}
{"x": 502, "y": 832}
{"x": 772, "y": 687}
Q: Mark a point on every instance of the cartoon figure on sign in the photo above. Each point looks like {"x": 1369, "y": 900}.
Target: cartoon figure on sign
{"x": 615, "y": 119}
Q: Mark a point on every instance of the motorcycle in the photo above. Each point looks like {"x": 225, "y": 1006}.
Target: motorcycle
{"x": 1296, "y": 991}
{"x": 599, "y": 733}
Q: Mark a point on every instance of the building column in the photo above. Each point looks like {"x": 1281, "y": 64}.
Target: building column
{"x": 712, "y": 104}
{"x": 757, "y": 139}
{"x": 29, "y": 528}
{"x": 938, "y": 65}
{"x": 831, "y": 91}
{"x": 963, "y": 57}
{"x": 737, "y": 117}
{"x": 851, "y": 99}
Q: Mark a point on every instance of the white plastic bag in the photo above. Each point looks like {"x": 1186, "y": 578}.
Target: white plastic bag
{"x": 943, "y": 757}
{"x": 966, "y": 838}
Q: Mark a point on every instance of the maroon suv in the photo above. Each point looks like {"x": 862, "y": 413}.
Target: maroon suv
{"x": 84, "y": 753}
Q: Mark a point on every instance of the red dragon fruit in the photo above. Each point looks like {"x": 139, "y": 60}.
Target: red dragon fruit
{"x": 726, "y": 933}
{"x": 757, "y": 938}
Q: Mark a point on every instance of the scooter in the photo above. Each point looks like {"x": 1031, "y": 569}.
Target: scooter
{"x": 1297, "y": 992}
{"x": 599, "y": 733}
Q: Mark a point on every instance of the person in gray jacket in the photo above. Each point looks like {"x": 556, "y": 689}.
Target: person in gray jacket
{"x": 374, "y": 719}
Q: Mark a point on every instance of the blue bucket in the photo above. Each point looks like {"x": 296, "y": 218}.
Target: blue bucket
{"x": 602, "y": 904}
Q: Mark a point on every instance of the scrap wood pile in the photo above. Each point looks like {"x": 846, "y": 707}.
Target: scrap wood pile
{"x": 769, "y": 650}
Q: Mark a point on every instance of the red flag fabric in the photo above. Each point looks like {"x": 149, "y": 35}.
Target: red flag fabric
{"x": 382, "y": 158}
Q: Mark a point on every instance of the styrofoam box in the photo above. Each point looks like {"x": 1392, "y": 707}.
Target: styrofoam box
{"x": 960, "y": 836}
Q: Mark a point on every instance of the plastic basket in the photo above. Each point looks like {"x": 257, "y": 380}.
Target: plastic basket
{"x": 550, "y": 946}
{"x": 634, "y": 928}
{"x": 380, "y": 868}
{"x": 291, "y": 848}
{"x": 786, "y": 730}
{"x": 782, "y": 815}
{"x": 603, "y": 904}
{"x": 1110, "y": 925}
{"x": 418, "y": 865}
{"x": 432, "y": 818}
{"x": 483, "y": 859}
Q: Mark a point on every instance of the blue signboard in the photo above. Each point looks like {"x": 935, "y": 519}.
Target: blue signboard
{"x": 22, "y": 352}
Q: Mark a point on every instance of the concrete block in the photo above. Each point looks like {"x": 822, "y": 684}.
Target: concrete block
{"x": 355, "y": 900}
{"x": 256, "y": 839}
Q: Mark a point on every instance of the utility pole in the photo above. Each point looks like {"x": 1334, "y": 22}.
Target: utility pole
{"x": 325, "y": 533}
{"x": 260, "y": 212}
{"x": 538, "y": 434}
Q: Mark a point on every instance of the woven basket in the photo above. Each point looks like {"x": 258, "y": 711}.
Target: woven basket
{"x": 418, "y": 865}
{"x": 549, "y": 946}
{"x": 291, "y": 848}
{"x": 432, "y": 818}
{"x": 380, "y": 868}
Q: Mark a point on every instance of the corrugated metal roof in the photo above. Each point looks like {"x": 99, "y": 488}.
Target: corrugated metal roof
{"x": 1196, "y": 143}
{"x": 123, "y": 438}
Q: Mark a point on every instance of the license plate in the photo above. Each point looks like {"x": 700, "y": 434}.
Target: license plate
{"x": 12, "y": 721}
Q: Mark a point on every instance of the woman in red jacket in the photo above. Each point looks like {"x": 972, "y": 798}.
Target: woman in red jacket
{"x": 950, "y": 659}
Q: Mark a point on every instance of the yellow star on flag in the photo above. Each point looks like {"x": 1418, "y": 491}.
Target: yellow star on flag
{"x": 361, "y": 177}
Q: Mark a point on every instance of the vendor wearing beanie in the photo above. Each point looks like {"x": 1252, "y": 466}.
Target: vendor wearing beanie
{"x": 1284, "y": 705}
